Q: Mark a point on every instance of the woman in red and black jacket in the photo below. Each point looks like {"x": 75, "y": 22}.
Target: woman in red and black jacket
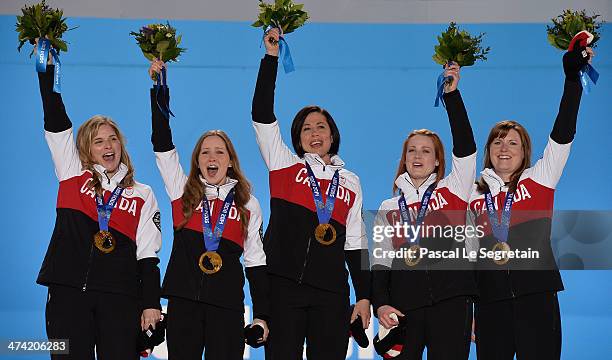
{"x": 101, "y": 270}
{"x": 435, "y": 297}
{"x": 518, "y": 310}
{"x": 205, "y": 301}
{"x": 308, "y": 277}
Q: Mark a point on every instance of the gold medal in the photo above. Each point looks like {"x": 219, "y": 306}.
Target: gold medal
{"x": 505, "y": 249}
{"x": 210, "y": 262}
{"x": 104, "y": 241}
{"x": 325, "y": 234}
{"x": 414, "y": 255}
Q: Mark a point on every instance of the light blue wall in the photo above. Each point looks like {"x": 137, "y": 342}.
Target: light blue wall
{"x": 376, "y": 80}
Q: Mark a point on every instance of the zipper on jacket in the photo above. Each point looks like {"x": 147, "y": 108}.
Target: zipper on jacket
{"x": 510, "y": 280}
{"x": 431, "y": 297}
{"x": 305, "y": 260}
{"x": 202, "y": 278}
{"x": 201, "y": 286}
{"x": 84, "y": 288}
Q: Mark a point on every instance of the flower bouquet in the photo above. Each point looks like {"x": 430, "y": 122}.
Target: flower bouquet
{"x": 285, "y": 16}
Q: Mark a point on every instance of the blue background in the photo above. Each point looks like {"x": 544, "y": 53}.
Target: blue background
{"x": 378, "y": 81}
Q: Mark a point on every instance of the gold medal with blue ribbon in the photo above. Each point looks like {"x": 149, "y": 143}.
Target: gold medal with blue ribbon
{"x": 324, "y": 233}
{"x": 414, "y": 250}
{"x": 500, "y": 228}
{"x": 103, "y": 239}
{"x": 210, "y": 261}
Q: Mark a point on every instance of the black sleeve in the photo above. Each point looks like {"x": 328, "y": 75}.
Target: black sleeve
{"x": 149, "y": 283}
{"x": 262, "y": 110}
{"x": 357, "y": 261}
{"x": 461, "y": 130}
{"x": 380, "y": 286}
{"x": 161, "y": 135}
{"x": 260, "y": 289}
{"x": 56, "y": 119}
{"x": 564, "y": 128}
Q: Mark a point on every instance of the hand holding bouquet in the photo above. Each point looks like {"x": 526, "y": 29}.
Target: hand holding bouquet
{"x": 285, "y": 16}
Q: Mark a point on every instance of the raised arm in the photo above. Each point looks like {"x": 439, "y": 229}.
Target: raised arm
{"x": 274, "y": 151}
{"x": 166, "y": 156}
{"x": 547, "y": 170}
{"x": 58, "y": 129}
{"x": 565, "y": 124}
{"x": 463, "y": 171}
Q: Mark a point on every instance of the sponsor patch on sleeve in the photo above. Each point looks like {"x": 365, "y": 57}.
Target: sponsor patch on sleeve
{"x": 157, "y": 220}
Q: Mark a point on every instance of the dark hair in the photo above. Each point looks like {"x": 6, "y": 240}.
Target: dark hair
{"x": 298, "y": 122}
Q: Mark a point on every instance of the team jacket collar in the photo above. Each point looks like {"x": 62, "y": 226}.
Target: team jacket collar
{"x": 404, "y": 183}
{"x": 496, "y": 184}
{"x": 315, "y": 160}
{"x": 112, "y": 182}
{"x": 218, "y": 191}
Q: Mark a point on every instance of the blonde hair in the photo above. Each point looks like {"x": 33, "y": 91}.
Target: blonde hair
{"x": 85, "y": 136}
{"x": 438, "y": 149}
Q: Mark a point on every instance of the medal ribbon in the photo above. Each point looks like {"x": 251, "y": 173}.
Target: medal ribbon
{"x": 324, "y": 210}
{"x": 440, "y": 92}
{"x": 212, "y": 238}
{"x": 105, "y": 209}
{"x": 161, "y": 84}
{"x": 440, "y": 87}
{"x": 403, "y": 208}
{"x": 586, "y": 73}
{"x": 44, "y": 47}
{"x": 284, "y": 52}
{"x": 500, "y": 230}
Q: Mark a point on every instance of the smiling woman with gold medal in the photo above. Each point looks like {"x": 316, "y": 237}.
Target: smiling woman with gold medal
{"x": 315, "y": 228}
{"x": 216, "y": 222}
{"x": 435, "y": 301}
{"x": 101, "y": 264}
{"x": 518, "y": 310}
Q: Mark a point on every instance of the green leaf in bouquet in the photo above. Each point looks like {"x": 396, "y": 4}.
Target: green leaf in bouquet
{"x": 159, "y": 41}
{"x": 162, "y": 46}
{"x": 39, "y": 20}
{"x": 149, "y": 56}
{"x": 568, "y": 24}
{"x": 283, "y": 14}
{"x": 459, "y": 46}
{"x": 171, "y": 54}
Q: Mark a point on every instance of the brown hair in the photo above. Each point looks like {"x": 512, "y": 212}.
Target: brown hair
{"x": 439, "y": 152}
{"x": 500, "y": 130}
{"x": 193, "y": 192}
{"x": 85, "y": 135}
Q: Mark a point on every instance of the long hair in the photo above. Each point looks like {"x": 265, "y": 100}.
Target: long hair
{"x": 500, "y": 130}
{"x": 438, "y": 149}
{"x": 85, "y": 136}
{"x": 298, "y": 122}
{"x": 193, "y": 192}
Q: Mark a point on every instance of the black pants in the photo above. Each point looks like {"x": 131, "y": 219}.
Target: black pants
{"x": 528, "y": 326}
{"x": 195, "y": 326}
{"x": 301, "y": 312}
{"x": 445, "y": 328}
{"x": 110, "y": 322}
